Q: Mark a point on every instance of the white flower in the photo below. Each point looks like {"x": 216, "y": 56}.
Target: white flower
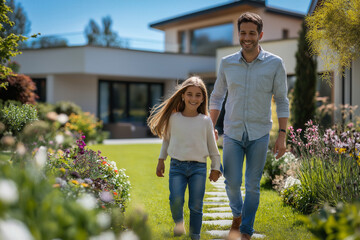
{"x": 59, "y": 138}
{"x": 290, "y": 181}
{"x": 20, "y": 149}
{"x": 41, "y": 156}
{"x": 62, "y": 118}
{"x": 108, "y": 235}
{"x": 13, "y": 229}
{"x": 87, "y": 201}
{"x": 129, "y": 235}
{"x": 106, "y": 196}
{"x": 8, "y": 191}
{"x": 103, "y": 219}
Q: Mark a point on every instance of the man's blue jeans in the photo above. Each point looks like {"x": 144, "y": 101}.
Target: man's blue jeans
{"x": 181, "y": 175}
{"x": 233, "y": 158}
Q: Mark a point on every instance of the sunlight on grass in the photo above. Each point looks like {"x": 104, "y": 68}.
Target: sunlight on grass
{"x": 152, "y": 195}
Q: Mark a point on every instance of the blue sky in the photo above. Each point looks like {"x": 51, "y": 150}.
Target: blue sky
{"x": 131, "y": 18}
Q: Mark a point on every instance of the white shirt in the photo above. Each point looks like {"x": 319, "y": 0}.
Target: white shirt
{"x": 191, "y": 139}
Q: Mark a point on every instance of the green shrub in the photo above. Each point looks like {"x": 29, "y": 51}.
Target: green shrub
{"x": 67, "y": 107}
{"x": 275, "y": 168}
{"x": 86, "y": 124}
{"x": 43, "y": 109}
{"x": 329, "y": 164}
{"x": 16, "y": 117}
{"x": 341, "y": 222}
{"x": 299, "y": 198}
{"x": 43, "y": 209}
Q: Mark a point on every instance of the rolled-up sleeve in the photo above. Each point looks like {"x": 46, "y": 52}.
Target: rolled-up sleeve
{"x": 280, "y": 92}
{"x": 218, "y": 94}
{"x": 214, "y": 153}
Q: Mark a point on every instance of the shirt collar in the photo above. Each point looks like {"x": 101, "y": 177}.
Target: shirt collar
{"x": 261, "y": 55}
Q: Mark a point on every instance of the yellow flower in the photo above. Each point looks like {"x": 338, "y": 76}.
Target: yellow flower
{"x": 75, "y": 182}
{"x": 84, "y": 184}
{"x": 340, "y": 150}
{"x": 56, "y": 185}
{"x": 62, "y": 170}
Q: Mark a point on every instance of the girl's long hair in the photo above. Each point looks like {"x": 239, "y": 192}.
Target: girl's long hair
{"x": 158, "y": 120}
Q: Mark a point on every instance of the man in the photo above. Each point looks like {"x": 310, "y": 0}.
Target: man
{"x": 251, "y": 77}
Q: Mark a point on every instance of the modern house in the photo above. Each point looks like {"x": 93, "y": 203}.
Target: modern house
{"x": 120, "y": 85}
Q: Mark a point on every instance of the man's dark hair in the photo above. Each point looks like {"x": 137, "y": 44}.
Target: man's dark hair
{"x": 250, "y": 17}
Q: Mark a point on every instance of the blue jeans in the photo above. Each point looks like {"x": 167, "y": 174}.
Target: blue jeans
{"x": 181, "y": 175}
{"x": 233, "y": 158}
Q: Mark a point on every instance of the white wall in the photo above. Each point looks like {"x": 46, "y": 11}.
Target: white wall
{"x": 285, "y": 49}
{"x": 80, "y": 89}
{"x": 112, "y": 62}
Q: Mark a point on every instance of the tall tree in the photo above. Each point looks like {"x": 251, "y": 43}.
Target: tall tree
{"x": 102, "y": 37}
{"x": 334, "y": 33}
{"x": 303, "y": 101}
{"x": 20, "y": 19}
{"x": 8, "y": 42}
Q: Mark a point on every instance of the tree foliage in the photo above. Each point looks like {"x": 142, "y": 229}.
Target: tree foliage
{"x": 303, "y": 101}
{"x": 334, "y": 33}
{"x": 8, "y": 42}
{"x": 104, "y": 36}
{"x": 19, "y": 88}
{"x": 49, "y": 41}
{"x": 19, "y": 18}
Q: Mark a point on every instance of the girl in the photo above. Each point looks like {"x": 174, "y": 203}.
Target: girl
{"x": 188, "y": 138}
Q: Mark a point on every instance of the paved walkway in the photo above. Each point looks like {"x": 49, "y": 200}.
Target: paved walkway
{"x": 219, "y": 214}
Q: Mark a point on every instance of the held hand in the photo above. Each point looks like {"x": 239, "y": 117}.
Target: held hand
{"x": 160, "y": 169}
{"x": 280, "y": 146}
{"x": 216, "y": 134}
{"x": 214, "y": 175}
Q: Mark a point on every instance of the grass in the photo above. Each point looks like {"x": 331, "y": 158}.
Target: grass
{"x": 5, "y": 156}
{"x": 151, "y": 194}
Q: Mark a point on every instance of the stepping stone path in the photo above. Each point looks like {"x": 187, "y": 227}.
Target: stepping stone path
{"x": 219, "y": 211}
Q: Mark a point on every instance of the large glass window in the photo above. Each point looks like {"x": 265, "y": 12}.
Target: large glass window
{"x": 138, "y": 101}
{"x": 207, "y": 40}
{"x": 118, "y": 107}
{"x": 127, "y": 101}
{"x": 104, "y": 103}
{"x": 40, "y": 89}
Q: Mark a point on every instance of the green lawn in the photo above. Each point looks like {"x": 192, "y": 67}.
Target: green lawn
{"x": 151, "y": 194}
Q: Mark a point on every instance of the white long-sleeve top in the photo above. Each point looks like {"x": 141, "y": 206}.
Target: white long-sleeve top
{"x": 191, "y": 139}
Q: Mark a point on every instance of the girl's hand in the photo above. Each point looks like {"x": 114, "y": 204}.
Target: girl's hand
{"x": 160, "y": 169}
{"x": 214, "y": 175}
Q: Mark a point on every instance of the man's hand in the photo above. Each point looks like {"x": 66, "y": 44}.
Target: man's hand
{"x": 216, "y": 134}
{"x": 160, "y": 169}
{"x": 280, "y": 145}
{"x": 214, "y": 175}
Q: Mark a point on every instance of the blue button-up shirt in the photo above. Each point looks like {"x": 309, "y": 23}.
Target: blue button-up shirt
{"x": 250, "y": 88}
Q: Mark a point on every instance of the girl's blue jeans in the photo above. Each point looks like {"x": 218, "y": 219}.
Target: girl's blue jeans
{"x": 181, "y": 175}
{"x": 233, "y": 158}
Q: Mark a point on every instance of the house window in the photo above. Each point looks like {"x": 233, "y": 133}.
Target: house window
{"x": 182, "y": 42}
{"x": 40, "y": 89}
{"x": 285, "y": 33}
{"x": 206, "y": 40}
{"x": 127, "y": 101}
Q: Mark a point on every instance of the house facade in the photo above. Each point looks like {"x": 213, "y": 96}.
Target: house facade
{"x": 120, "y": 85}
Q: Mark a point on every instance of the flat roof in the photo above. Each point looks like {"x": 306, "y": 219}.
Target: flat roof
{"x": 253, "y": 3}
